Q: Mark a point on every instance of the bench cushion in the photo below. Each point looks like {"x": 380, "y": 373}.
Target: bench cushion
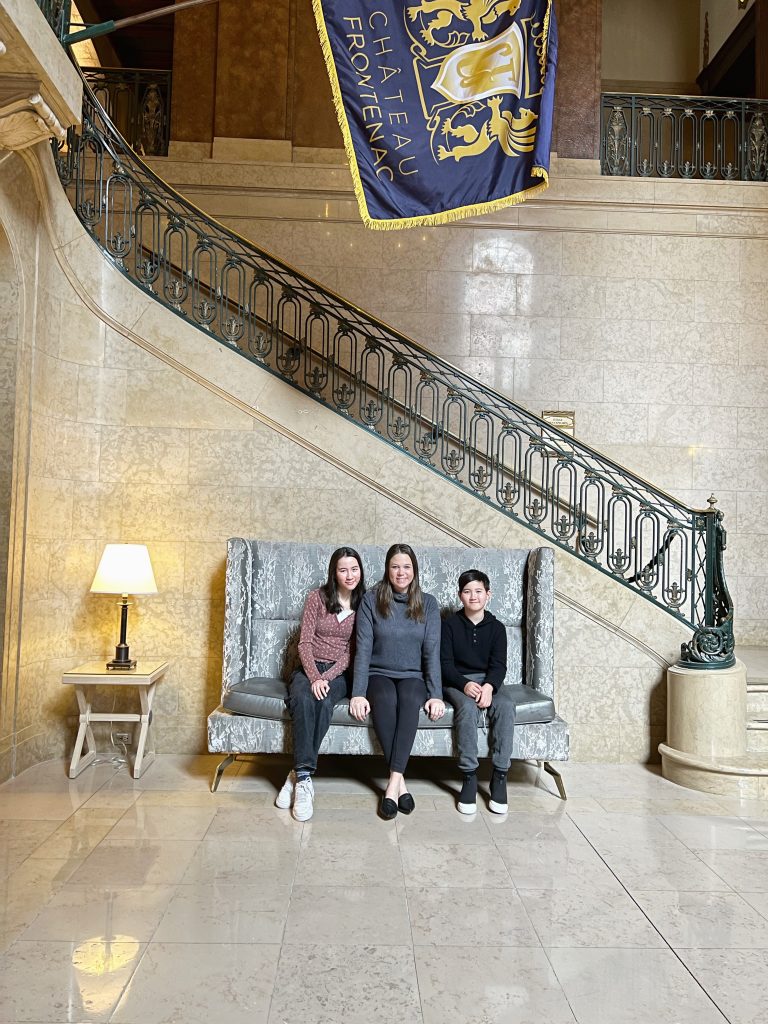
{"x": 265, "y": 697}
{"x": 532, "y": 707}
{"x": 242, "y": 734}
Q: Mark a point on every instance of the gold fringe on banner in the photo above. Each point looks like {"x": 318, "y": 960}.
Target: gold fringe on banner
{"x": 431, "y": 219}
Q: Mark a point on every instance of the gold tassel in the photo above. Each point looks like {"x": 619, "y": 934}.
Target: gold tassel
{"x": 461, "y": 212}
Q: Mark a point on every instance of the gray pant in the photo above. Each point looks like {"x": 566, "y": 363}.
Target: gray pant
{"x": 500, "y": 716}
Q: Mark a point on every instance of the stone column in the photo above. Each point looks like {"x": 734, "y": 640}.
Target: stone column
{"x": 577, "y": 98}
{"x": 313, "y": 121}
{"x": 252, "y": 78}
{"x": 706, "y": 746}
{"x": 195, "y": 32}
{"x": 707, "y": 711}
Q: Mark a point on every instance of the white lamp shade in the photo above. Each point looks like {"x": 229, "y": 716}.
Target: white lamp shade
{"x": 124, "y": 569}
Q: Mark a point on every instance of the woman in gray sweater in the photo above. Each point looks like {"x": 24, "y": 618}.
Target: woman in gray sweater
{"x": 397, "y": 667}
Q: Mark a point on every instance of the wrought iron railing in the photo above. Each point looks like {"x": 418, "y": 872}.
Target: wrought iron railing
{"x": 259, "y": 306}
{"x": 57, "y": 15}
{"x": 138, "y": 102}
{"x": 707, "y": 137}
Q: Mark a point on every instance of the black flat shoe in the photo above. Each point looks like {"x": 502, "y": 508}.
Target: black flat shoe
{"x": 387, "y": 808}
{"x": 406, "y": 803}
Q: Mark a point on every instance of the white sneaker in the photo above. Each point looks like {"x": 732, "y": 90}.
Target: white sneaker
{"x": 303, "y": 800}
{"x": 284, "y": 798}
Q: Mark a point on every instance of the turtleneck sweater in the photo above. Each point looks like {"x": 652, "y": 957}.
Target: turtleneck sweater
{"x": 397, "y": 646}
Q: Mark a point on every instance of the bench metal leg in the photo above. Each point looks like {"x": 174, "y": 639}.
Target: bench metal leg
{"x": 556, "y": 776}
{"x": 220, "y": 769}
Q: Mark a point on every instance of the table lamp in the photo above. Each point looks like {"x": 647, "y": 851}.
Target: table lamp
{"x": 124, "y": 569}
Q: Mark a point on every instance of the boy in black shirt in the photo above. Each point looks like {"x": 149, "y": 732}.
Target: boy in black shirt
{"x": 473, "y": 658}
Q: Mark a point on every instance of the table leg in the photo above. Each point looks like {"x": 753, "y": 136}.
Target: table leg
{"x": 141, "y": 761}
{"x": 80, "y": 761}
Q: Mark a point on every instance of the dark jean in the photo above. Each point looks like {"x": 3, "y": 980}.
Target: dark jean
{"x": 467, "y": 716}
{"x": 312, "y": 717}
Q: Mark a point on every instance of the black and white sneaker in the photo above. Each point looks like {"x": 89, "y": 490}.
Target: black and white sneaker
{"x": 498, "y": 802}
{"x": 468, "y": 797}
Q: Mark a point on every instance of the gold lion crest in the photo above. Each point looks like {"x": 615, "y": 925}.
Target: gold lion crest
{"x": 470, "y": 60}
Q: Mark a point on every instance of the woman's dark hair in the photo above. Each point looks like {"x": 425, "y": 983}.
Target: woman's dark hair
{"x": 385, "y": 594}
{"x": 330, "y": 589}
{"x": 473, "y": 576}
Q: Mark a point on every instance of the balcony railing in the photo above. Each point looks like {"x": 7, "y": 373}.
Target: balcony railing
{"x": 705, "y": 137}
{"x": 138, "y": 102}
{"x": 57, "y": 15}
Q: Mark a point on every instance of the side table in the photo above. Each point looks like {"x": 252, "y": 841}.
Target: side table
{"x": 144, "y": 678}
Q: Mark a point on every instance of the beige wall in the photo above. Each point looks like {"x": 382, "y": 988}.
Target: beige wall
{"x": 638, "y": 304}
{"x": 122, "y": 448}
{"x": 723, "y": 19}
{"x": 652, "y": 46}
{"x": 18, "y": 229}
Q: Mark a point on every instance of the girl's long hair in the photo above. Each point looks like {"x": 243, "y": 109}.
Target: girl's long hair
{"x": 330, "y": 589}
{"x": 385, "y": 594}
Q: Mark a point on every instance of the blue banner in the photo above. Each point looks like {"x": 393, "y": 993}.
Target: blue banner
{"x": 445, "y": 106}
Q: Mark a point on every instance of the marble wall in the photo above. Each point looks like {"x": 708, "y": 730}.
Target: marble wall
{"x": 9, "y": 330}
{"x": 638, "y": 304}
{"x": 123, "y": 446}
{"x": 18, "y": 232}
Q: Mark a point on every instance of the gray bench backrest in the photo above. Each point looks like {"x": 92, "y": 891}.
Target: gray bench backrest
{"x": 267, "y": 582}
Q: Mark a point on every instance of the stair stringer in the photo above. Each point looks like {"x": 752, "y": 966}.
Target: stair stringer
{"x": 609, "y": 640}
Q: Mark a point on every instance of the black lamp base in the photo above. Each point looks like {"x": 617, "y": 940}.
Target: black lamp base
{"x": 122, "y": 661}
{"x": 120, "y": 666}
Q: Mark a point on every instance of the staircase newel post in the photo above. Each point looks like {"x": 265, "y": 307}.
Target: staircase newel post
{"x": 712, "y": 644}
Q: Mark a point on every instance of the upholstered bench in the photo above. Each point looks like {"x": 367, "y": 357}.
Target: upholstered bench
{"x": 266, "y": 584}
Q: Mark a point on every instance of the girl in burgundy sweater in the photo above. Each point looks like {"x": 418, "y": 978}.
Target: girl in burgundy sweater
{"x": 327, "y": 627}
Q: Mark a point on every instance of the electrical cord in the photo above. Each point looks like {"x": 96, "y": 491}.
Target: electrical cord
{"x": 119, "y": 759}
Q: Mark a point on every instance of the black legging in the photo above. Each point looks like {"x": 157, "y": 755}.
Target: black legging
{"x": 395, "y": 705}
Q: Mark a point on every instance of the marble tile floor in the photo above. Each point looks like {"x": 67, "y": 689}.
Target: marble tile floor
{"x": 156, "y": 902}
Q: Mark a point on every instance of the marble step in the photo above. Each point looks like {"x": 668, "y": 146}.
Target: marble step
{"x": 757, "y": 739}
{"x": 756, "y": 662}
{"x": 757, "y": 717}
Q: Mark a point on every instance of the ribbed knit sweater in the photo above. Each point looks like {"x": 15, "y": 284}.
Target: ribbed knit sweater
{"x": 398, "y": 647}
{"x": 468, "y": 649}
{"x": 323, "y": 638}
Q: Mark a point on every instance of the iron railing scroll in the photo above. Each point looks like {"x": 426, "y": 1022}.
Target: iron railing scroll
{"x": 320, "y": 343}
{"x": 709, "y": 137}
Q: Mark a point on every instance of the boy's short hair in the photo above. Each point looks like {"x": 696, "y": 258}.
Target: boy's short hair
{"x": 473, "y": 576}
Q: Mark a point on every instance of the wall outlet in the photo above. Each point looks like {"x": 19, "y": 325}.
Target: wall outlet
{"x": 123, "y": 737}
